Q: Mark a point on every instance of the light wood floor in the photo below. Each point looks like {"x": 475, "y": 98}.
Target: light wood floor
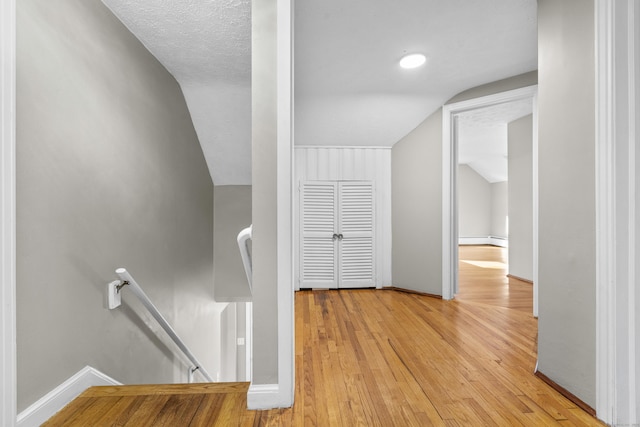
{"x": 483, "y": 278}
{"x": 379, "y": 358}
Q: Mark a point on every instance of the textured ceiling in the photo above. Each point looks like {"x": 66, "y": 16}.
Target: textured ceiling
{"x": 196, "y": 40}
{"x": 349, "y": 88}
{"x": 206, "y": 45}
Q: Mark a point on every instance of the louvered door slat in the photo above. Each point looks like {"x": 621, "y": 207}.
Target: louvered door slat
{"x": 318, "y": 266}
{"x": 356, "y": 221}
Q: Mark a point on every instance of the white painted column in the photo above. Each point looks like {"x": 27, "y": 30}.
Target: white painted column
{"x": 8, "y": 390}
{"x": 286, "y": 317}
{"x": 272, "y": 194}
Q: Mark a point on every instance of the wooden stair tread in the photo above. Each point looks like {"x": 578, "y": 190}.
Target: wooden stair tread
{"x": 203, "y": 404}
{"x": 162, "y": 389}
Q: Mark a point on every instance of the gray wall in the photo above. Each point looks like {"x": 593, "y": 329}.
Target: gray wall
{"x": 567, "y": 271}
{"x": 232, "y": 213}
{"x": 416, "y": 212}
{"x": 109, "y": 174}
{"x": 416, "y": 179}
{"x": 482, "y": 206}
{"x": 521, "y": 198}
{"x": 515, "y": 82}
{"x": 264, "y": 191}
{"x": 499, "y": 209}
{"x": 474, "y": 203}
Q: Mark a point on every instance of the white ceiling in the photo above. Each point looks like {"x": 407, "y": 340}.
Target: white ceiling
{"x": 349, "y": 89}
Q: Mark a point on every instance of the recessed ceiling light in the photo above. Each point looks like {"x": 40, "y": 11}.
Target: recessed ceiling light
{"x": 413, "y": 60}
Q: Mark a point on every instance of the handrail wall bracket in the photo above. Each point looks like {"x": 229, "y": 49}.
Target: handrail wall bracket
{"x": 121, "y": 285}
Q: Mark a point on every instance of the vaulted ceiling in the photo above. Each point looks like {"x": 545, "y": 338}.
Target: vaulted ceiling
{"x": 349, "y": 88}
{"x": 483, "y": 138}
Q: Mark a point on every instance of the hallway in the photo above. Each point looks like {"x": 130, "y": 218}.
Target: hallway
{"x": 387, "y": 358}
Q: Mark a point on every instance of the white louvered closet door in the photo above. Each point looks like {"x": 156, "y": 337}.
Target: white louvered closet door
{"x": 356, "y": 222}
{"x": 319, "y": 222}
{"x": 337, "y": 223}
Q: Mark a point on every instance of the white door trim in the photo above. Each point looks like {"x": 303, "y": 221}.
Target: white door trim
{"x": 450, "y": 187}
{"x": 535, "y": 190}
{"x": 8, "y": 389}
{"x": 605, "y": 223}
{"x": 617, "y": 386}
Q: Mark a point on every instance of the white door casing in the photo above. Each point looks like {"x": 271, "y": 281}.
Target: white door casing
{"x": 617, "y": 211}
{"x": 449, "y": 184}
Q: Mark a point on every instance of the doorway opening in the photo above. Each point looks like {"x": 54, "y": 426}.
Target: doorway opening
{"x": 475, "y": 152}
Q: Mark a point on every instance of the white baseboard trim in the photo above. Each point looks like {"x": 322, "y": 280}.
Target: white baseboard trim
{"x": 473, "y": 241}
{"x": 499, "y": 241}
{"x": 494, "y": 241}
{"x": 58, "y": 398}
{"x": 264, "y": 396}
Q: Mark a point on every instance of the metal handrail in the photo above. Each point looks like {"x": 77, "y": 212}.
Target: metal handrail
{"x": 243, "y": 243}
{"x": 127, "y": 279}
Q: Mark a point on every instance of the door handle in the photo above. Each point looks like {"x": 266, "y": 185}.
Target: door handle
{"x": 340, "y": 236}
{"x": 335, "y": 236}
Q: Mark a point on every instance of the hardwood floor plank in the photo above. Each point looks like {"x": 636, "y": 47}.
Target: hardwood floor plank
{"x": 90, "y": 408}
{"x": 98, "y": 407}
{"x": 118, "y": 414}
{"x": 208, "y": 411}
{"x": 78, "y": 405}
{"x": 179, "y": 410}
{"x": 147, "y": 411}
{"x": 231, "y": 410}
